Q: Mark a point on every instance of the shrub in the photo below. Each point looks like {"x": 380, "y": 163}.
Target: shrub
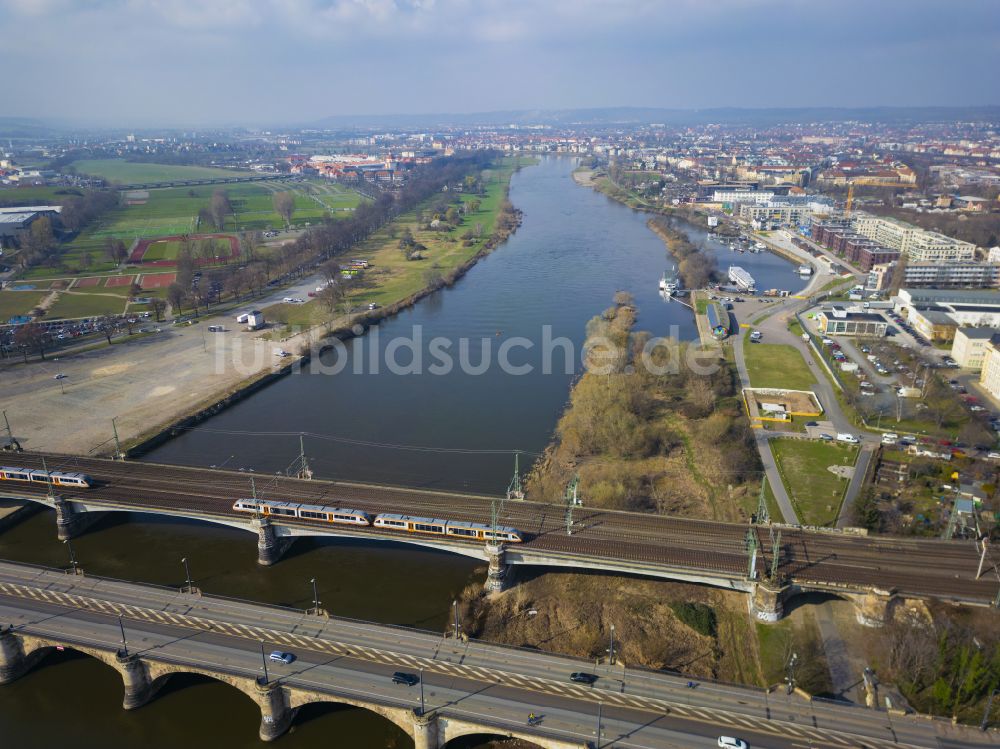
{"x": 698, "y": 616}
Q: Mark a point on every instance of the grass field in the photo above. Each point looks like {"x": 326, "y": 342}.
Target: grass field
{"x": 86, "y": 305}
{"x": 776, "y": 365}
{"x": 118, "y": 170}
{"x": 168, "y": 250}
{"x": 15, "y": 303}
{"x": 174, "y": 210}
{"x": 393, "y": 277}
{"x": 11, "y": 196}
{"x": 816, "y": 492}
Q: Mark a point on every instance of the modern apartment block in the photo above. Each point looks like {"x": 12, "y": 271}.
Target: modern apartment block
{"x": 920, "y": 245}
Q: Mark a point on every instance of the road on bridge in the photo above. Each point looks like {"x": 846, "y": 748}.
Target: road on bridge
{"x": 478, "y": 682}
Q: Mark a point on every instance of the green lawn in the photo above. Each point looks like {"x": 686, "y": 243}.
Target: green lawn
{"x": 816, "y": 493}
{"x": 119, "y": 170}
{"x": 392, "y": 277}
{"x": 12, "y": 196}
{"x": 776, "y": 365}
{"x": 174, "y": 210}
{"x": 170, "y": 249}
{"x": 15, "y": 303}
{"x": 86, "y": 305}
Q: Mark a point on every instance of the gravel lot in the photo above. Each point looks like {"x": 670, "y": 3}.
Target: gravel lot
{"x": 144, "y": 383}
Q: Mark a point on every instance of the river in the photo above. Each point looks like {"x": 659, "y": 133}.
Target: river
{"x": 457, "y": 430}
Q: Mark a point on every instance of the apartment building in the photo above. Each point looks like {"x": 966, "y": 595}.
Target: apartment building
{"x": 990, "y": 376}
{"x": 920, "y": 245}
{"x": 969, "y": 348}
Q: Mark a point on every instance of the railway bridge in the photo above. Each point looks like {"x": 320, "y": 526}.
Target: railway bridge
{"x": 772, "y": 564}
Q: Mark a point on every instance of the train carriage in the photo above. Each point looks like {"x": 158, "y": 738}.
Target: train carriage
{"x": 386, "y": 521}
{"x": 56, "y": 478}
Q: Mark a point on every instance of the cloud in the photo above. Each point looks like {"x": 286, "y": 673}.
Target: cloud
{"x": 296, "y": 60}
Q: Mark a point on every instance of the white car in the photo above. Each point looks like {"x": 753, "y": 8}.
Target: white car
{"x": 731, "y": 742}
{"x": 282, "y": 353}
{"x": 281, "y": 657}
{"x": 889, "y": 438}
{"x": 288, "y": 300}
{"x": 849, "y": 438}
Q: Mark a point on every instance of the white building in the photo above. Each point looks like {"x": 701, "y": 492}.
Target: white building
{"x": 969, "y": 348}
{"x": 918, "y": 244}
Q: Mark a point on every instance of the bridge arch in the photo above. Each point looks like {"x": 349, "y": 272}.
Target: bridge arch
{"x": 457, "y": 734}
{"x": 401, "y": 718}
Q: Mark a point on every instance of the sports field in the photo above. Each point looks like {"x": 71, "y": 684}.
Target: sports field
{"x": 169, "y": 249}
{"x": 174, "y": 210}
{"x": 125, "y": 172}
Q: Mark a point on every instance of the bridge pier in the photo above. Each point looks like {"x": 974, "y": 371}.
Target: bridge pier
{"x": 496, "y": 576}
{"x": 13, "y": 663}
{"x": 425, "y": 730}
{"x": 275, "y": 713}
{"x": 139, "y": 689}
{"x": 70, "y": 521}
{"x": 873, "y": 608}
{"x": 270, "y": 546}
{"x": 767, "y": 604}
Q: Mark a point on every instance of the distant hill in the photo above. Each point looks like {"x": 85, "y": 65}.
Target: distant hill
{"x": 645, "y": 115}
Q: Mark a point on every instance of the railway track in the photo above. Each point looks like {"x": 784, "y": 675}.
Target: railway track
{"x": 918, "y": 567}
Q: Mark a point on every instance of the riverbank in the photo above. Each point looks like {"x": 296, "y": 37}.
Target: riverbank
{"x": 161, "y": 383}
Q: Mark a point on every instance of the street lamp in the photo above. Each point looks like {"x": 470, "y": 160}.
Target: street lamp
{"x": 315, "y": 608}
{"x": 187, "y": 575}
{"x": 263, "y": 659}
{"x": 611, "y": 650}
{"x": 989, "y": 705}
{"x": 791, "y": 672}
{"x": 121, "y": 626}
{"x": 72, "y": 557}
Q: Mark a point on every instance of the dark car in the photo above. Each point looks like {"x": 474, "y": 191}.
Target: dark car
{"x": 580, "y": 677}
{"x": 401, "y": 677}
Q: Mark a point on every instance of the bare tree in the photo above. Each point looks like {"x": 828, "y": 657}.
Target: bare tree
{"x": 176, "y": 296}
{"x": 284, "y": 206}
{"x": 158, "y": 305}
{"x": 220, "y": 207}
{"x": 32, "y": 336}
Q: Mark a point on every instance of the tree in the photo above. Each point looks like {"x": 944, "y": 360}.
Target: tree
{"x": 86, "y": 259}
{"x": 134, "y": 290}
{"x": 158, "y": 305}
{"x": 284, "y": 206}
{"x": 115, "y": 250}
{"x": 474, "y": 206}
{"x": 32, "y": 336}
{"x": 107, "y": 326}
{"x": 220, "y": 207}
{"x": 176, "y": 296}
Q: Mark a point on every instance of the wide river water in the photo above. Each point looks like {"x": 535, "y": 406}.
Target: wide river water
{"x": 455, "y": 430}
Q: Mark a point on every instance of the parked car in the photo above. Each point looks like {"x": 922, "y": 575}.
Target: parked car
{"x": 848, "y": 438}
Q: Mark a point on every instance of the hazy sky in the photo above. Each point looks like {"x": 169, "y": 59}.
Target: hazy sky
{"x": 137, "y": 62}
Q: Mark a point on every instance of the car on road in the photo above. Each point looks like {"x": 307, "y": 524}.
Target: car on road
{"x": 280, "y": 657}
{"x": 59, "y": 376}
{"x": 282, "y": 353}
{"x": 731, "y": 742}
{"x": 582, "y": 677}
{"x": 849, "y": 438}
{"x": 890, "y": 438}
{"x": 401, "y": 677}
